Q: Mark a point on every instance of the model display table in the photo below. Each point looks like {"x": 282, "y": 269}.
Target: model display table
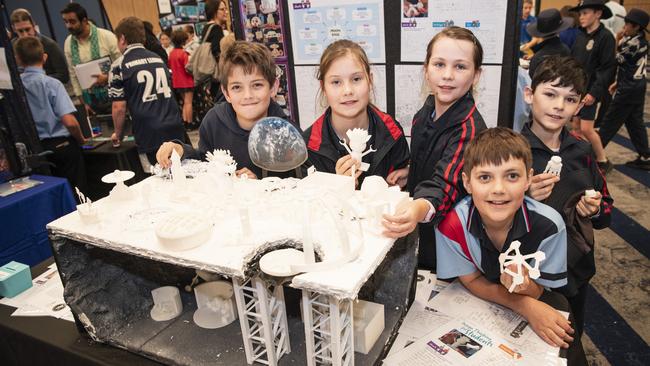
{"x": 110, "y": 267}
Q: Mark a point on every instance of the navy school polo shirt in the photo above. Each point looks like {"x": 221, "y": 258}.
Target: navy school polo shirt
{"x": 463, "y": 246}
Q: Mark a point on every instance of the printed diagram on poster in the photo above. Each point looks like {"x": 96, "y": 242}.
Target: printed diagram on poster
{"x": 422, "y": 19}
{"x": 263, "y": 24}
{"x": 309, "y": 106}
{"x": 317, "y": 23}
{"x": 410, "y": 93}
{"x": 283, "y": 96}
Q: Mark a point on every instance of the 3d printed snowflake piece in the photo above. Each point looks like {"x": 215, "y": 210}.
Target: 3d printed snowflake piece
{"x": 358, "y": 138}
{"x": 506, "y": 259}
{"x": 554, "y": 166}
{"x": 223, "y": 161}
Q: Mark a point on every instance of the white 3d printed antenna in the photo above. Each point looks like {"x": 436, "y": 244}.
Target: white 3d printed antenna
{"x": 358, "y": 138}
{"x": 554, "y": 166}
{"x": 506, "y": 259}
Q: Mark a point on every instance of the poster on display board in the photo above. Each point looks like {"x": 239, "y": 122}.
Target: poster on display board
{"x": 307, "y": 92}
{"x": 283, "y": 96}
{"x": 263, "y": 24}
{"x": 317, "y": 23}
{"x": 422, "y": 19}
{"x": 411, "y": 93}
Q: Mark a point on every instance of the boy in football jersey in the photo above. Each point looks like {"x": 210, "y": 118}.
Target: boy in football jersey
{"x": 140, "y": 81}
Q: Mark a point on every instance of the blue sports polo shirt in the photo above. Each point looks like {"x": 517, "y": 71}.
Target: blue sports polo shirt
{"x": 48, "y": 101}
{"x": 463, "y": 246}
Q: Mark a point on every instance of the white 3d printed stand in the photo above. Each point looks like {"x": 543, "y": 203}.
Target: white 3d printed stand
{"x": 358, "y": 138}
{"x": 120, "y": 192}
{"x": 554, "y": 166}
{"x": 167, "y": 303}
{"x": 216, "y": 305}
{"x": 506, "y": 259}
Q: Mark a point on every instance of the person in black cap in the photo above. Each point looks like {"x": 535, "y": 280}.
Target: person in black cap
{"x": 548, "y": 26}
{"x": 629, "y": 88}
{"x": 595, "y": 49}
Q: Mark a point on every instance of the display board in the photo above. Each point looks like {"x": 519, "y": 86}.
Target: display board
{"x": 486, "y": 19}
{"x": 317, "y": 23}
{"x": 307, "y": 92}
{"x": 263, "y": 22}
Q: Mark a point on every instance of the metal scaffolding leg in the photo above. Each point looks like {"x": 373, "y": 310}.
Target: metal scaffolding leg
{"x": 263, "y": 320}
{"x": 328, "y": 330}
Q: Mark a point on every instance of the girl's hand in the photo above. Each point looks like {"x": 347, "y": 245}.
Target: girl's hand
{"x": 344, "y": 166}
{"x": 398, "y": 177}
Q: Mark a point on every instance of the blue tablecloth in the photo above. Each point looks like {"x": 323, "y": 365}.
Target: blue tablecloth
{"x": 23, "y": 216}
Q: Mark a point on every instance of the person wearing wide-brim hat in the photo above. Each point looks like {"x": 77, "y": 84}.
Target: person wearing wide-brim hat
{"x": 596, "y": 5}
{"x": 595, "y": 49}
{"x": 548, "y": 26}
{"x": 630, "y": 88}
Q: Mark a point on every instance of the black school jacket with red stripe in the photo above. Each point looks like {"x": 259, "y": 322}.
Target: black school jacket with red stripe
{"x": 579, "y": 173}
{"x": 437, "y": 150}
{"x": 387, "y": 138}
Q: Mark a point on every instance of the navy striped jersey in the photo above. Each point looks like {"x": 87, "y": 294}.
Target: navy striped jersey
{"x": 463, "y": 246}
{"x": 142, "y": 79}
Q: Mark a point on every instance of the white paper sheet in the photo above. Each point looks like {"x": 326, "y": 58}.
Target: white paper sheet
{"x": 86, "y": 71}
{"x": 487, "y": 19}
{"x": 44, "y": 298}
{"x": 467, "y": 331}
{"x": 307, "y": 87}
{"x": 5, "y": 75}
{"x": 317, "y": 23}
{"x": 164, "y": 6}
{"x": 410, "y": 93}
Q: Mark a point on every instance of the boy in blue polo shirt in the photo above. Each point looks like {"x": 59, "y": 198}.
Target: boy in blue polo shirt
{"x": 52, "y": 110}
{"x": 497, "y": 173}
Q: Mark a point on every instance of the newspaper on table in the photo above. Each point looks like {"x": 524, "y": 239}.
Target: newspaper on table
{"x": 461, "y": 329}
{"x": 44, "y": 298}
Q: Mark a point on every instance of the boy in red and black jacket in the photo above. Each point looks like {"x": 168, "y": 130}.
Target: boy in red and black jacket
{"x": 555, "y": 95}
{"x": 325, "y": 149}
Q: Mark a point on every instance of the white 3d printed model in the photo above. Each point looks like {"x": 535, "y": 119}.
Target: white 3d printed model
{"x": 216, "y": 305}
{"x": 87, "y": 212}
{"x": 591, "y": 193}
{"x": 167, "y": 303}
{"x": 554, "y": 166}
{"x": 120, "y": 192}
{"x": 506, "y": 259}
{"x": 183, "y": 230}
{"x": 357, "y": 143}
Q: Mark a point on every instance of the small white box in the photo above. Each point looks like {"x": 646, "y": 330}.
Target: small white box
{"x": 368, "y": 325}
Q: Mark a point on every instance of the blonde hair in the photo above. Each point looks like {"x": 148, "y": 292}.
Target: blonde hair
{"x": 333, "y": 52}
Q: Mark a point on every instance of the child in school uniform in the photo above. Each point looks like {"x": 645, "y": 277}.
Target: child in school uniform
{"x": 594, "y": 49}
{"x": 555, "y": 96}
{"x": 629, "y": 88}
{"x": 496, "y": 174}
{"x": 182, "y": 81}
{"x": 346, "y": 82}
{"x": 442, "y": 128}
{"x": 249, "y": 82}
